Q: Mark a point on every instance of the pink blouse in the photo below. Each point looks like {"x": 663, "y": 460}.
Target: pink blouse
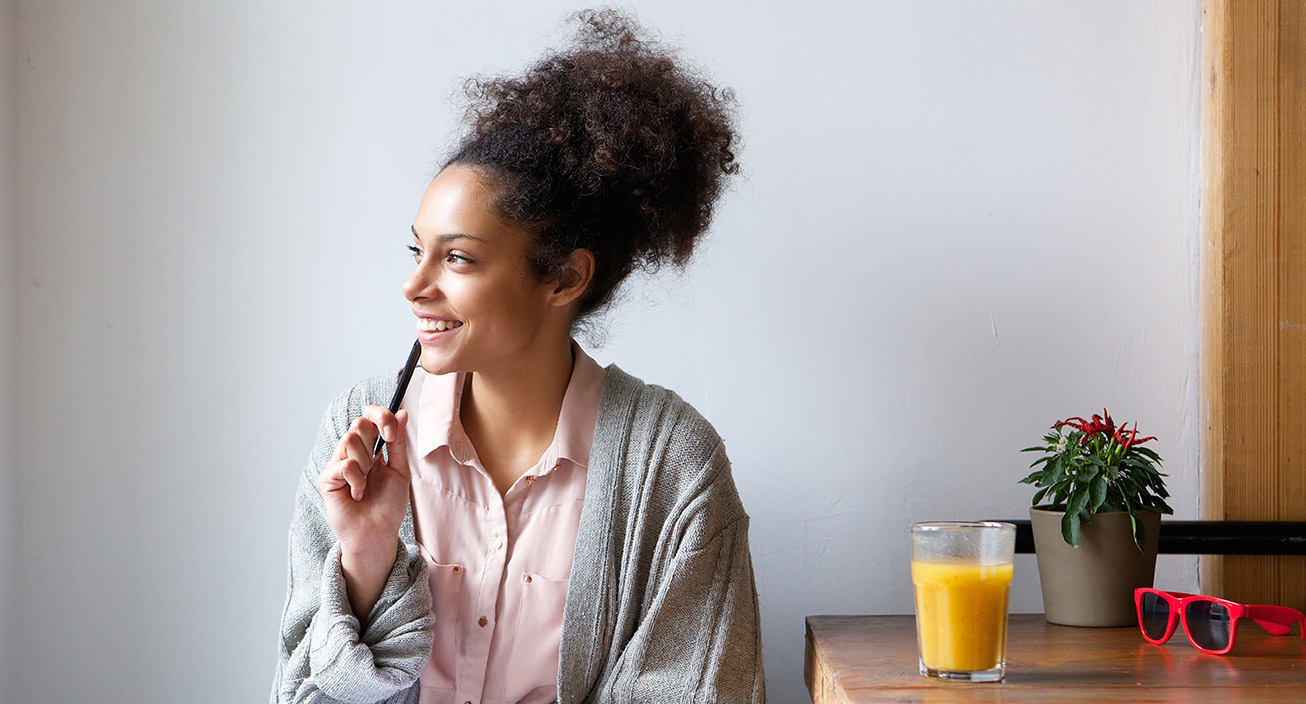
{"x": 496, "y": 559}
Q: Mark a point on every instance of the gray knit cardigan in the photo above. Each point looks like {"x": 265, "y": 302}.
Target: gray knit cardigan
{"x": 661, "y": 606}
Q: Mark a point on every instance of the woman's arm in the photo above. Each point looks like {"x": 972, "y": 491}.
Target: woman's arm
{"x": 676, "y": 617}
{"x": 700, "y": 640}
{"x": 326, "y": 653}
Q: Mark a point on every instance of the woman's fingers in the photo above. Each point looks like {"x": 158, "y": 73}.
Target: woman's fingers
{"x": 353, "y": 460}
{"x": 380, "y": 418}
{"x": 353, "y": 474}
{"x": 346, "y": 474}
{"x": 358, "y": 443}
{"x": 392, "y": 428}
{"x": 397, "y": 449}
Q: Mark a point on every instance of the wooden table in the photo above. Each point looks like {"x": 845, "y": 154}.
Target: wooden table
{"x": 873, "y": 659}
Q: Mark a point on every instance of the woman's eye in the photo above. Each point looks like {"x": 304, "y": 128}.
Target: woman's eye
{"x": 415, "y": 251}
{"x": 457, "y": 258}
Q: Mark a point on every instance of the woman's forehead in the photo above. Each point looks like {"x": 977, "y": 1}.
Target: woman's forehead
{"x": 460, "y": 202}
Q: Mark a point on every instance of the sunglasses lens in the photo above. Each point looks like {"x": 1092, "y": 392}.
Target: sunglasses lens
{"x": 1208, "y": 624}
{"x": 1154, "y": 615}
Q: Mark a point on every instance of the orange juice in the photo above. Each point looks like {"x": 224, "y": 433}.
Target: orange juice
{"x": 961, "y": 614}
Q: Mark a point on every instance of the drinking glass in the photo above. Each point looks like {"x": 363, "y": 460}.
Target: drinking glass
{"x": 962, "y": 573}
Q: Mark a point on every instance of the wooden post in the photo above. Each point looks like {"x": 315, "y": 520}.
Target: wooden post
{"x": 1254, "y": 285}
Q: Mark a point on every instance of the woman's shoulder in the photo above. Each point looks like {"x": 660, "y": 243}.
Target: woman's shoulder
{"x": 646, "y": 413}
{"x": 650, "y": 442}
{"x": 349, "y": 403}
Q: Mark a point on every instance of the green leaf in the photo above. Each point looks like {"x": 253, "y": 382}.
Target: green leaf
{"x": 1098, "y": 493}
{"x": 1128, "y": 486}
{"x": 1070, "y": 528}
{"x": 1147, "y": 452}
{"x": 1138, "y": 531}
{"x": 1163, "y": 507}
{"x": 1076, "y": 507}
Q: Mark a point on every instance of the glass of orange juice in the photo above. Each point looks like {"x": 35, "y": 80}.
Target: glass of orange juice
{"x": 962, "y": 572}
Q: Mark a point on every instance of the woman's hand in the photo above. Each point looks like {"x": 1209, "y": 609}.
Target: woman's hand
{"x": 366, "y": 500}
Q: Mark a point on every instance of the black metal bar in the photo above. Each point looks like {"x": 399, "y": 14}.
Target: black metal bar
{"x": 1209, "y": 537}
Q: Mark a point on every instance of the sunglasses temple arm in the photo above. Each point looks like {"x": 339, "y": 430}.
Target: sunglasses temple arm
{"x": 1278, "y": 620}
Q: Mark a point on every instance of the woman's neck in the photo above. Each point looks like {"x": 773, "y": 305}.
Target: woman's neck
{"x": 510, "y": 413}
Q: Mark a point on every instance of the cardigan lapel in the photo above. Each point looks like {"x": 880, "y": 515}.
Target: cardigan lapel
{"x": 590, "y": 614}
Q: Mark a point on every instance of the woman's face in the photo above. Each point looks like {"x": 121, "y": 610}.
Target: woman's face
{"x": 478, "y": 305}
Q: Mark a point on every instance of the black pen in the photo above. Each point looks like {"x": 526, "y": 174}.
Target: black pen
{"x": 404, "y": 377}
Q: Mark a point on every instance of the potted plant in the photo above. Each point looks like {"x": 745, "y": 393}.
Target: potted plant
{"x": 1096, "y": 534}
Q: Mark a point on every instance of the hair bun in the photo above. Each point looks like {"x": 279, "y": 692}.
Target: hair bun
{"x": 611, "y": 143}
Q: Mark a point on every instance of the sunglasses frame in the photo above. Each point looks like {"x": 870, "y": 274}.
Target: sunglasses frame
{"x": 1278, "y": 620}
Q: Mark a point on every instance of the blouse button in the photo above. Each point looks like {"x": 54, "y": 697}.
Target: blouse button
{"x": 483, "y": 622}
{"x": 528, "y": 579}
{"x": 498, "y": 543}
{"x": 457, "y": 569}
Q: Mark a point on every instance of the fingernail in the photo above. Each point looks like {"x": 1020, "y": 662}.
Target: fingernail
{"x": 388, "y": 433}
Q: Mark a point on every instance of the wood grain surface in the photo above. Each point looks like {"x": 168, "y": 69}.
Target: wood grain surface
{"x": 1254, "y": 285}
{"x": 873, "y": 659}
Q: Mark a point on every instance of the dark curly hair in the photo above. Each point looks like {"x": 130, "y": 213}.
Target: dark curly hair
{"x": 611, "y": 144}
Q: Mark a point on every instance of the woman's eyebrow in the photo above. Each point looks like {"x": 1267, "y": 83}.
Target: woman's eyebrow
{"x": 446, "y": 238}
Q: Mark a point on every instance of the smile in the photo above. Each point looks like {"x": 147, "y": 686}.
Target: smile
{"x": 431, "y": 325}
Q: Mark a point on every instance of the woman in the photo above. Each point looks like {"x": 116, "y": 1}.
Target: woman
{"x": 539, "y": 528}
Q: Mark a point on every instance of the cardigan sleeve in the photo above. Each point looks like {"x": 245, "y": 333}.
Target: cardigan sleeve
{"x": 700, "y": 637}
{"x": 325, "y": 654}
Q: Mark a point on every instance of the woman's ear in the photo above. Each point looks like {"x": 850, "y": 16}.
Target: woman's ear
{"x": 574, "y": 277}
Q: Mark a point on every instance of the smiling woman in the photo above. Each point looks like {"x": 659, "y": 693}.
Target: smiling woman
{"x": 478, "y": 303}
{"x": 539, "y": 528}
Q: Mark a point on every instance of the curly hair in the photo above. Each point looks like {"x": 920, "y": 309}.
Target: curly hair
{"x": 611, "y": 144}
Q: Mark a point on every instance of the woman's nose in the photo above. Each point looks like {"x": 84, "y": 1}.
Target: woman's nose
{"x": 419, "y": 284}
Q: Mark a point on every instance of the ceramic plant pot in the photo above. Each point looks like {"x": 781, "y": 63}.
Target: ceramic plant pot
{"x": 1093, "y": 585}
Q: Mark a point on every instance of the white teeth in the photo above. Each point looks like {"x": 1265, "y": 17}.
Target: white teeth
{"x": 429, "y": 325}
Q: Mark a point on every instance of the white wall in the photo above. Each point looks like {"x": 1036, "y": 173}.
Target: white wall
{"x": 961, "y": 221}
{"x": 9, "y": 475}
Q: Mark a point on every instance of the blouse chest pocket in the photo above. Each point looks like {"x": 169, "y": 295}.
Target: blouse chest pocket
{"x": 446, "y": 582}
{"x": 539, "y": 630}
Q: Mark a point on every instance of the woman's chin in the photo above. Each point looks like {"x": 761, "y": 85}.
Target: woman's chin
{"x": 434, "y": 364}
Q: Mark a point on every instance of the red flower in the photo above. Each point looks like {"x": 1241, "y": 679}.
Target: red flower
{"x": 1132, "y": 438}
{"x": 1098, "y": 424}
{"x": 1075, "y": 422}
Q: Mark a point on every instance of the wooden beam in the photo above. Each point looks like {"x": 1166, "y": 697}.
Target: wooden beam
{"x": 1254, "y": 281}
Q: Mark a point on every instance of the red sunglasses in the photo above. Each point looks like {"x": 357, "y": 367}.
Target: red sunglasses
{"x": 1211, "y": 624}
